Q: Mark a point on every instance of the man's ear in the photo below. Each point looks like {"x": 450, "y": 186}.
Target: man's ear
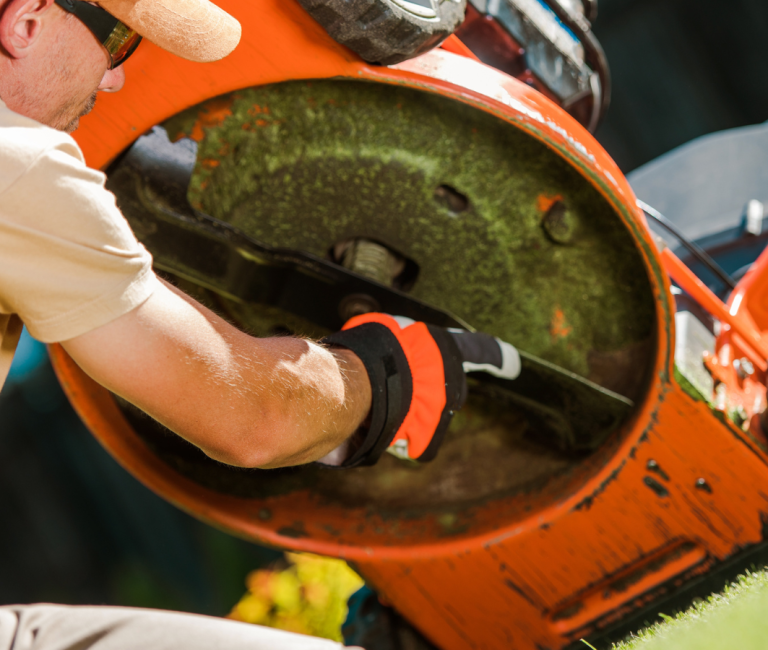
{"x": 21, "y": 22}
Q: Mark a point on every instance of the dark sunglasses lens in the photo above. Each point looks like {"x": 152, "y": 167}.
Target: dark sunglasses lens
{"x": 121, "y": 43}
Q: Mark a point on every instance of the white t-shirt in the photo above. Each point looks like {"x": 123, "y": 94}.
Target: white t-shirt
{"x": 69, "y": 261}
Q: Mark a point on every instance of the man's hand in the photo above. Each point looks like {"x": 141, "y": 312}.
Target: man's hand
{"x": 381, "y": 384}
{"x": 418, "y": 382}
{"x": 244, "y": 401}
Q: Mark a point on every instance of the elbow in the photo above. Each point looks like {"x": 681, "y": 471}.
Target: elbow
{"x": 262, "y": 438}
{"x": 244, "y": 456}
{"x": 251, "y": 449}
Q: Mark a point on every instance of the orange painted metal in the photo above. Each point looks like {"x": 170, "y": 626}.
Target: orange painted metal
{"x": 743, "y": 337}
{"x": 745, "y": 391}
{"x": 524, "y": 571}
{"x": 453, "y": 44}
{"x": 740, "y": 322}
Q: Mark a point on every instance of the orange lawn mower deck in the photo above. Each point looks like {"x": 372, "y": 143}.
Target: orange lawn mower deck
{"x": 494, "y": 204}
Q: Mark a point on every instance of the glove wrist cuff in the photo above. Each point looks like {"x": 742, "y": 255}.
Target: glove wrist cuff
{"x": 391, "y": 386}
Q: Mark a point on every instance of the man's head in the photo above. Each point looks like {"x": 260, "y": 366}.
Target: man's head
{"x": 52, "y": 65}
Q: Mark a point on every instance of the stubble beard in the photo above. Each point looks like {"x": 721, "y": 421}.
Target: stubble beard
{"x": 59, "y": 73}
{"x": 66, "y": 122}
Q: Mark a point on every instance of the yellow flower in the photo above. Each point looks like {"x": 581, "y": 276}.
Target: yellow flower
{"x": 309, "y": 597}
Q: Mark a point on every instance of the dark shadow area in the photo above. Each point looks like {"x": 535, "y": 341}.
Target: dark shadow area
{"x": 680, "y": 70}
{"x": 78, "y": 529}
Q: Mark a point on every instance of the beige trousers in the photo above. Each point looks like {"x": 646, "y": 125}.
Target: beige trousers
{"x": 56, "y": 627}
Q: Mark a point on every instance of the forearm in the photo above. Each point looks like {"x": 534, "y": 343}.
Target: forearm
{"x": 243, "y": 400}
{"x": 316, "y": 399}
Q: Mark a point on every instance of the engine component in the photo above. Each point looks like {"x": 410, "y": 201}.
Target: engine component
{"x": 388, "y": 31}
{"x": 692, "y": 341}
{"x": 549, "y": 45}
{"x": 371, "y": 259}
{"x": 754, "y": 213}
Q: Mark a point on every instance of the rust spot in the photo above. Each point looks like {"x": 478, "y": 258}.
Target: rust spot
{"x": 625, "y": 586}
{"x": 633, "y": 577}
{"x": 558, "y": 328}
{"x": 544, "y": 203}
{"x": 518, "y": 591}
{"x": 197, "y": 133}
{"x": 211, "y": 114}
{"x": 586, "y": 503}
{"x": 568, "y": 612}
{"x": 295, "y": 530}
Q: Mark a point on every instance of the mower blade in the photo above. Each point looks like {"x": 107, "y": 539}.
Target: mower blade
{"x": 150, "y": 182}
{"x": 578, "y": 413}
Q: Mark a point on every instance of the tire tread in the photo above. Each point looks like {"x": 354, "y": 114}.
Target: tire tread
{"x": 381, "y": 32}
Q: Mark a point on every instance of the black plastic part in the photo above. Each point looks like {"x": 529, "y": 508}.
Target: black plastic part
{"x": 593, "y": 53}
{"x": 97, "y": 20}
{"x": 590, "y": 10}
{"x": 694, "y": 249}
{"x": 391, "y": 386}
{"x": 374, "y": 626}
{"x": 477, "y": 347}
{"x": 386, "y": 31}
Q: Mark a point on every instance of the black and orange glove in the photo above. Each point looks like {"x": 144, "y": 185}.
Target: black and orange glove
{"x": 417, "y": 374}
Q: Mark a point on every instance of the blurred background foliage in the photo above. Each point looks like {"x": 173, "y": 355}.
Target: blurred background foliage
{"x": 78, "y": 529}
{"x": 302, "y": 593}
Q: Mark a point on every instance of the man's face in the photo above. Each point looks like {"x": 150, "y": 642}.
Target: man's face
{"x": 59, "y": 82}
{"x": 79, "y": 69}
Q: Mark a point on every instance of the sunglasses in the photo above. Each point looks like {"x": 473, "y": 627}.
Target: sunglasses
{"x": 119, "y": 40}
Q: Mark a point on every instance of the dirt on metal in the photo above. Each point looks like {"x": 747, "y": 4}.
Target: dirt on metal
{"x": 504, "y": 232}
{"x": 305, "y": 165}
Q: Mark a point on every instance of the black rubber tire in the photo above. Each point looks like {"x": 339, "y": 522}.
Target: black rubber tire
{"x": 386, "y": 31}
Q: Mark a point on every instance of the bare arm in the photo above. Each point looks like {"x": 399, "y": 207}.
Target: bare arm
{"x": 244, "y": 401}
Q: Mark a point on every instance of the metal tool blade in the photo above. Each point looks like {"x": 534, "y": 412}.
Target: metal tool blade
{"x": 151, "y": 181}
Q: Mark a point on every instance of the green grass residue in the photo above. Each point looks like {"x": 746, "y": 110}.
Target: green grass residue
{"x": 736, "y": 618}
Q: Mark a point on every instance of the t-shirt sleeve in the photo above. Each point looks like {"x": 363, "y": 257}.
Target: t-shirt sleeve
{"x": 69, "y": 261}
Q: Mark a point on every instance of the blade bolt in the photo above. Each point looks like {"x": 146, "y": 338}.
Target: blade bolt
{"x": 559, "y": 224}
{"x": 701, "y": 484}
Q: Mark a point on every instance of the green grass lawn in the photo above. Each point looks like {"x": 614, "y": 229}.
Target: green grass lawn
{"x": 737, "y": 618}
